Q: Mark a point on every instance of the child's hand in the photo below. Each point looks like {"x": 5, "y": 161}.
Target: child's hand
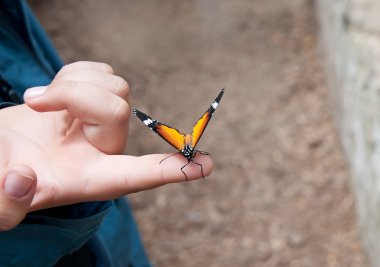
{"x": 63, "y": 146}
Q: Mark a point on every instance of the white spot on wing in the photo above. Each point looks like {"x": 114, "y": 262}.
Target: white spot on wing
{"x": 215, "y": 105}
{"x": 147, "y": 121}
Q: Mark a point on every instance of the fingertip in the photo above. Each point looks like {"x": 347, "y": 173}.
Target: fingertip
{"x": 179, "y": 168}
{"x": 39, "y": 99}
{"x": 20, "y": 182}
{"x": 54, "y": 97}
{"x": 130, "y": 174}
{"x": 23, "y": 170}
{"x": 16, "y": 194}
{"x": 34, "y": 92}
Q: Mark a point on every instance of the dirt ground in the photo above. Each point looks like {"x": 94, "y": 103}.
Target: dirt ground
{"x": 280, "y": 191}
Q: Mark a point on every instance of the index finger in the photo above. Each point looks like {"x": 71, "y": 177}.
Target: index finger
{"x": 117, "y": 175}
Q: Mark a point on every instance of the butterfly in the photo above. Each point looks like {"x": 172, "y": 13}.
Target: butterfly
{"x": 184, "y": 143}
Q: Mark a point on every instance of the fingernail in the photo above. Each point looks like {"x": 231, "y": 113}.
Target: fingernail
{"x": 35, "y": 92}
{"x": 16, "y": 185}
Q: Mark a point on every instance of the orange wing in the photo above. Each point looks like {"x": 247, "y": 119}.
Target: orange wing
{"x": 200, "y": 126}
{"x": 169, "y": 134}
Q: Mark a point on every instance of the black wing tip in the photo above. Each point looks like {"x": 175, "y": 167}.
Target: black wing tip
{"x": 219, "y": 97}
{"x": 138, "y": 113}
{"x": 135, "y": 111}
{"x": 141, "y": 115}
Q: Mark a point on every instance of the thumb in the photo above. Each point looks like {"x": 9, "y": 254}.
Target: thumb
{"x": 18, "y": 186}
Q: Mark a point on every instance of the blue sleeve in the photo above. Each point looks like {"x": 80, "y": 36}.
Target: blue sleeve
{"x": 27, "y": 58}
{"x": 42, "y": 239}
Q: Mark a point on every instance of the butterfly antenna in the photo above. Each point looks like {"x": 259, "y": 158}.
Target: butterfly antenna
{"x": 170, "y": 156}
{"x": 201, "y": 152}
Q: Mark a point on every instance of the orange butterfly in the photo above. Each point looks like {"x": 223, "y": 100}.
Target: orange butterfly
{"x": 184, "y": 143}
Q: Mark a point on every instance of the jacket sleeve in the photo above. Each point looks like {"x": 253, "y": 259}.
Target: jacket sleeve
{"x": 42, "y": 238}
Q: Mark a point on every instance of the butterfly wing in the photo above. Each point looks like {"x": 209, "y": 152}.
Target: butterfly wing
{"x": 169, "y": 134}
{"x": 201, "y": 125}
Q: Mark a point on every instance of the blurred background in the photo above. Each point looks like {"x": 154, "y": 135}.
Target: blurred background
{"x": 280, "y": 191}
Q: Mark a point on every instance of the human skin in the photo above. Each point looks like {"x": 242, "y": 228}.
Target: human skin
{"x": 64, "y": 146}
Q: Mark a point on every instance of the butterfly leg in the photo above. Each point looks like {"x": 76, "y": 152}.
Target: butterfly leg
{"x": 170, "y": 156}
{"x": 200, "y": 165}
{"x": 183, "y": 171}
{"x": 181, "y": 167}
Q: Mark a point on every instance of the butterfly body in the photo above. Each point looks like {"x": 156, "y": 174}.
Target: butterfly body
{"x": 184, "y": 143}
{"x": 188, "y": 150}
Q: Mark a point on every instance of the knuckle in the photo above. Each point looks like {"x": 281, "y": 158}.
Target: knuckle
{"x": 120, "y": 86}
{"x": 64, "y": 76}
{"x": 66, "y": 68}
{"x": 104, "y": 67}
{"x": 69, "y": 67}
{"x": 64, "y": 90}
{"x": 83, "y": 65}
{"x": 65, "y": 86}
{"x": 120, "y": 111}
